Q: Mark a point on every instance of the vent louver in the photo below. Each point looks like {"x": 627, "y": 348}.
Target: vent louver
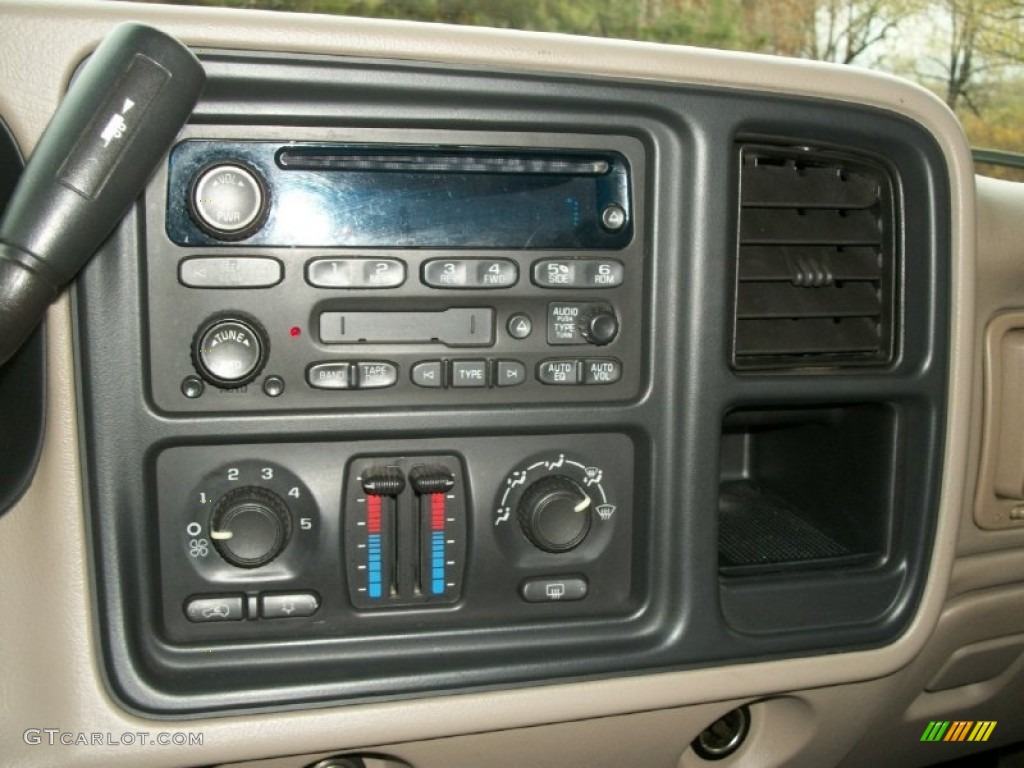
{"x": 816, "y": 280}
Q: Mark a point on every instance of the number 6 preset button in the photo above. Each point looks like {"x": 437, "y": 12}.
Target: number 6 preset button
{"x": 470, "y": 273}
{"x": 578, "y": 273}
{"x": 355, "y": 273}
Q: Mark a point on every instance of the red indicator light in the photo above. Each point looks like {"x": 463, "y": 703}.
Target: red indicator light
{"x": 295, "y": 332}
{"x": 437, "y": 511}
{"x": 374, "y": 508}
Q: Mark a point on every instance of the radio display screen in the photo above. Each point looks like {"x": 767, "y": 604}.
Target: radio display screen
{"x": 415, "y": 197}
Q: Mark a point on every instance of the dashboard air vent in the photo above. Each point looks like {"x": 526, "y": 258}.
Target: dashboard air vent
{"x": 816, "y": 282}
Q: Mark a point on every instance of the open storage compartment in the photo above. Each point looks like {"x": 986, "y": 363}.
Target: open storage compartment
{"x": 806, "y": 488}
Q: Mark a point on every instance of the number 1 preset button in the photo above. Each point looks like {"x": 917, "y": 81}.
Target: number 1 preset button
{"x": 355, "y": 273}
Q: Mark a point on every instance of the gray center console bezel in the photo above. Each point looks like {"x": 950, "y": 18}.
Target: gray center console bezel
{"x": 679, "y": 612}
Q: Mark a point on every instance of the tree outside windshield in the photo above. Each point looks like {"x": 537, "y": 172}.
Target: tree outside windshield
{"x": 970, "y": 53}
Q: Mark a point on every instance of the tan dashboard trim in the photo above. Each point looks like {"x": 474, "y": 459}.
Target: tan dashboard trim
{"x": 52, "y": 673}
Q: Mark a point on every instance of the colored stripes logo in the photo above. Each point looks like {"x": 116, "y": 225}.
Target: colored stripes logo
{"x": 958, "y": 730}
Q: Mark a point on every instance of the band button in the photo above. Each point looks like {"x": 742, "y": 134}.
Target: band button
{"x": 330, "y": 376}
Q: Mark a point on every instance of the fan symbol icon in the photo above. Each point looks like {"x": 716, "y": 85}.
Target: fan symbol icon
{"x": 199, "y": 548}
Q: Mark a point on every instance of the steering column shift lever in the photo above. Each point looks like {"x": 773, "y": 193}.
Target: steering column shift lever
{"x": 118, "y": 119}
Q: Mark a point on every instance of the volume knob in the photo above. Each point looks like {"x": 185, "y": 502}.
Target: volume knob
{"x": 554, "y": 513}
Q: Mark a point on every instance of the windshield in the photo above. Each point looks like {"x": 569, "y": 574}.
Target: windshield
{"x": 968, "y": 52}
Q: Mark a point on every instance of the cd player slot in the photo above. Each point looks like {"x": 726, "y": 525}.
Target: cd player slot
{"x": 457, "y": 327}
{"x": 354, "y": 159}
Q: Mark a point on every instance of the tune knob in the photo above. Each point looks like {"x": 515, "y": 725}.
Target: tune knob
{"x": 599, "y": 327}
{"x": 251, "y": 526}
{"x": 554, "y": 513}
{"x": 230, "y": 350}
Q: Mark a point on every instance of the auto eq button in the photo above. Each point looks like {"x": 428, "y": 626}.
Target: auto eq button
{"x": 559, "y": 372}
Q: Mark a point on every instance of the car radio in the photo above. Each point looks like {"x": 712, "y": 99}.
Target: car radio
{"x": 352, "y": 269}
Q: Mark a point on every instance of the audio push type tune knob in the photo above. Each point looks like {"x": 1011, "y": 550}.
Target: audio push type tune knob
{"x": 599, "y": 326}
{"x": 555, "y": 513}
{"x": 229, "y": 351}
{"x": 251, "y": 526}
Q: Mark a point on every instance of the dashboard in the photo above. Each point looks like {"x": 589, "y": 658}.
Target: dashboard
{"x": 459, "y": 397}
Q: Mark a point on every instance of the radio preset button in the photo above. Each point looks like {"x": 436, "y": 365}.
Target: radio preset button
{"x": 330, "y": 376}
{"x": 603, "y": 371}
{"x": 376, "y": 375}
{"x": 469, "y": 373}
{"x": 355, "y": 273}
{"x": 470, "y": 273}
{"x": 509, "y": 373}
{"x": 230, "y": 272}
{"x": 229, "y": 201}
{"x": 427, "y": 374}
{"x": 559, "y": 372}
{"x": 602, "y": 273}
{"x": 578, "y": 273}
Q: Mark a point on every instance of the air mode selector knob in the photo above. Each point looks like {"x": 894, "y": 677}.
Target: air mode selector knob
{"x": 599, "y": 327}
{"x": 230, "y": 350}
{"x": 251, "y": 526}
{"x": 554, "y": 513}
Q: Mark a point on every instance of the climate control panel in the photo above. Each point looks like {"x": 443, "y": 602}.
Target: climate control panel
{"x": 418, "y": 533}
